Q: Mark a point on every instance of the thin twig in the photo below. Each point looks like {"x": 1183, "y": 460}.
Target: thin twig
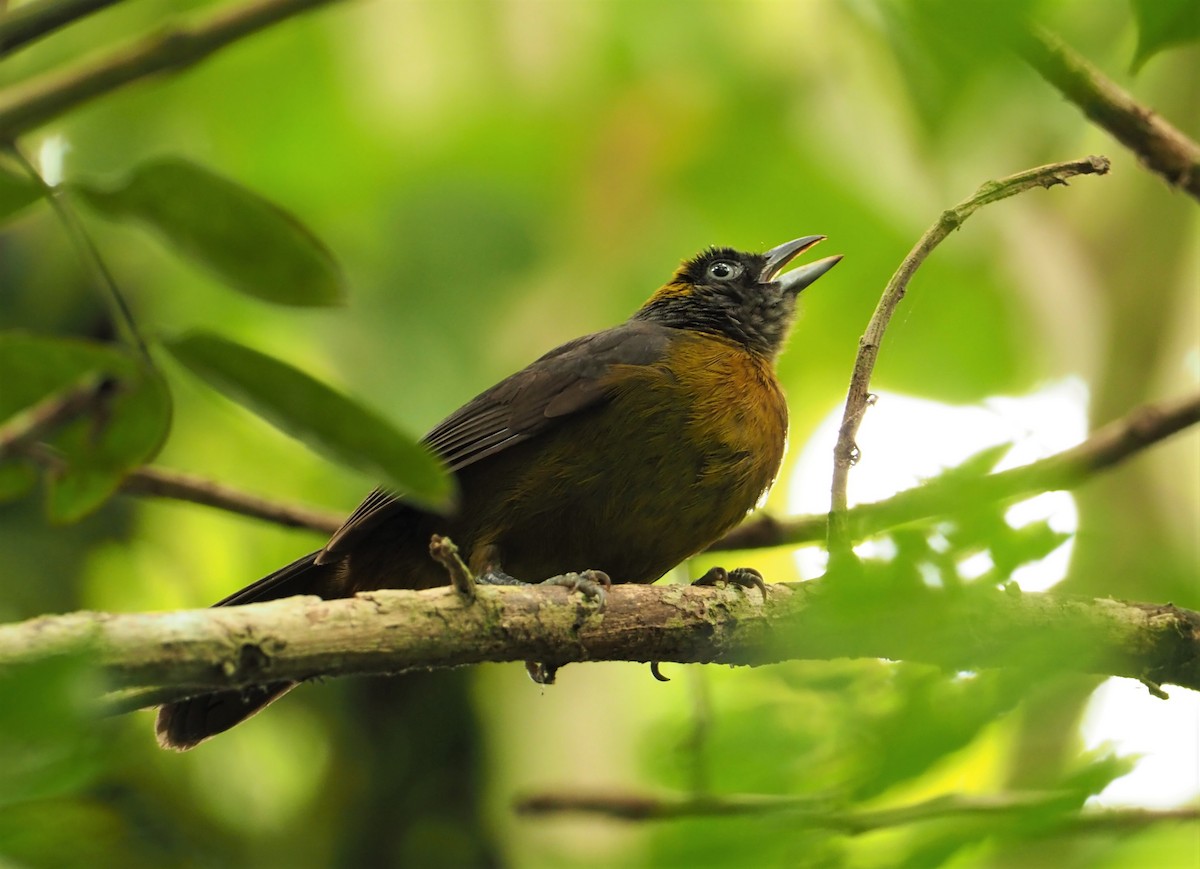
{"x": 32, "y": 104}
{"x": 163, "y": 483}
{"x": 1162, "y": 148}
{"x": 811, "y": 813}
{"x": 646, "y": 807}
{"x": 858, "y": 398}
{"x": 40, "y": 420}
{"x": 1107, "y": 446}
{"x": 37, "y": 18}
{"x": 88, "y": 252}
{"x": 445, "y": 553}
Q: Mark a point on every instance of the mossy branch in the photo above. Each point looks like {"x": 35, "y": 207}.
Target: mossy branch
{"x": 178, "y": 654}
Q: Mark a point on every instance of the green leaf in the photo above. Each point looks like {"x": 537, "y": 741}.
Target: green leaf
{"x": 16, "y": 191}
{"x": 250, "y": 243}
{"x": 327, "y": 421}
{"x": 50, "y": 743}
{"x": 123, "y": 430}
{"x": 1162, "y": 24}
{"x": 16, "y": 479}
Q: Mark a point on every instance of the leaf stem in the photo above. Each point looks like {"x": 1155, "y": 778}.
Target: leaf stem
{"x": 88, "y": 252}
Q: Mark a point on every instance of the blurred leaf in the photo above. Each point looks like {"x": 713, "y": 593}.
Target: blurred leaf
{"x": 16, "y": 191}
{"x": 944, "y": 46}
{"x": 49, "y": 739}
{"x": 31, "y": 834}
{"x": 934, "y": 714}
{"x": 250, "y": 243}
{"x": 977, "y": 464}
{"x": 1025, "y": 545}
{"x": 98, "y": 450}
{"x": 328, "y": 421}
{"x": 16, "y": 479}
{"x": 1162, "y": 24}
{"x": 1096, "y": 771}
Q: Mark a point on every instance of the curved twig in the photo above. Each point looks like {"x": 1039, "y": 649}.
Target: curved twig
{"x": 858, "y": 398}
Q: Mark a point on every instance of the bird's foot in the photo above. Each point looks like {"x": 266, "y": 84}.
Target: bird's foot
{"x": 541, "y": 672}
{"x": 741, "y": 576}
{"x": 495, "y": 576}
{"x": 591, "y": 583}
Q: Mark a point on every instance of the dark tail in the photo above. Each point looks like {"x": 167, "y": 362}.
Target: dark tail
{"x": 186, "y": 724}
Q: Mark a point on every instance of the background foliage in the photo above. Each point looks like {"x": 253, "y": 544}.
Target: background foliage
{"x": 486, "y": 181}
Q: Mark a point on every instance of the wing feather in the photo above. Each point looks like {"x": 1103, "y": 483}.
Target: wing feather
{"x": 565, "y": 381}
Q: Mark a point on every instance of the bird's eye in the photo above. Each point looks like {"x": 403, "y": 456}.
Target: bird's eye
{"x": 724, "y": 270}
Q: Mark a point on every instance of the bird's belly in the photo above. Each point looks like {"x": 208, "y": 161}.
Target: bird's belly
{"x": 675, "y": 459}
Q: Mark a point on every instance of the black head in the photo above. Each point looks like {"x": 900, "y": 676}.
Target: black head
{"x": 738, "y": 295}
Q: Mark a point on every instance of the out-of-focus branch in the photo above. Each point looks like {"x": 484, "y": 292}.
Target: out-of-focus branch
{"x": 26, "y": 106}
{"x": 389, "y": 631}
{"x": 35, "y": 19}
{"x": 163, "y": 483}
{"x": 1161, "y": 147}
{"x": 845, "y": 453}
{"x": 1120, "y": 439}
{"x": 1108, "y": 445}
{"x": 38, "y": 422}
{"x": 809, "y": 813}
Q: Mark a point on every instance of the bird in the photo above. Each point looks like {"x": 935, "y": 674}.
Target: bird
{"x": 615, "y": 456}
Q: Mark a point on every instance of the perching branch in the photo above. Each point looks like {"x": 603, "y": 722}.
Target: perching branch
{"x": 845, "y": 453}
{"x": 26, "y": 106}
{"x": 809, "y": 813}
{"x": 390, "y": 631}
{"x": 1161, "y": 147}
{"x": 36, "y": 19}
{"x": 1108, "y": 445}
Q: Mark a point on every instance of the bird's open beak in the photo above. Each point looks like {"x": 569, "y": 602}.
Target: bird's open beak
{"x": 799, "y": 278}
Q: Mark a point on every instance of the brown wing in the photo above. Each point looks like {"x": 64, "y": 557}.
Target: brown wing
{"x": 564, "y": 381}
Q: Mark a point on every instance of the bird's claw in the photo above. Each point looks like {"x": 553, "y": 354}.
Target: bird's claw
{"x": 740, "y": 576}
{"x": 590, "y": 583}
{"x": 541, "y": 672}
